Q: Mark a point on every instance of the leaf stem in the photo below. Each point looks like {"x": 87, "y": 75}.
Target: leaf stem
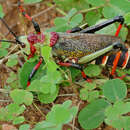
{"x": 91, "y": 9}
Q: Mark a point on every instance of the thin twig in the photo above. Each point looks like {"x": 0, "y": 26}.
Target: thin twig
{"x": 65, "y": 95}
{"x": 5, "y": 100}
{"x": 10, "y": 56}
{"x": 12, "y": 49}
{"x": 74, "y": 118}
{"x": 4, "y": 91}
{"x": 72, "y": 126}
{"x": 43, "y": 11}
{"x": 38, "y": 109}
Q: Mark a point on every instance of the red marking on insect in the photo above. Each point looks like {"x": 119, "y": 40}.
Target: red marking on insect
{"x": 64, "y": 64}
{"x": 118, "y": 30}
{"x": 68, "y": 31}
{"x": 35, "y": 38}
{"x": 53, "y": 39}
{"x": 85, "y": 77}
{"x": 28, "y": 83}
{"x": 39, "y": 63}
{"x": 115, "y": 62}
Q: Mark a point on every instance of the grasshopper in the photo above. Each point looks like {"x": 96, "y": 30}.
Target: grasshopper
{"x": 78, "y": 46}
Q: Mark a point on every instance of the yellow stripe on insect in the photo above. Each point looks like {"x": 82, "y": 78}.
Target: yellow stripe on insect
{"x": 124, "y": 66}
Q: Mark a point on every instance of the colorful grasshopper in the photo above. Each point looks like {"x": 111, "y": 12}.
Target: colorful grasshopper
{"x": 79, "y": 46}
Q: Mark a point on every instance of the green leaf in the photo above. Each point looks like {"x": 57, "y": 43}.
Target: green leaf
{"x": 96, "y": 2}
{"x": 49, "y": 97}
{"x": 71, "y": 13}
{"x": 92, "y": 17}
{"x": 25, "y": 96}
{"x": 3, "y": 52}
{"x": 68, "y": 22}
{"x": 18, "y": 120}
{"x": 5, "y": 45}
{"x": 31, "y": 1}
{"x": 93, "y": 115}
{"x": 116, "y": 8}
{"x": 119, "y": 122}
{"x": 87, "y": 93}
{"x": 89, "y": 86}
{"x": 84, "y": 94}
{"x": 1, "y": 12}
{"x": 67, "y": 104}
{"x": 57, "y": 112}
{"x": 56, "y": 115}
{"x": 119, "y": 108}
{"x": 12, "y": 62}
{"x": 45, "y": 125}
{"x": 74, "y": 72}
{"x": 36, "y": 86}
{"x": 76, "y": 20}
{"x": 92, "y": 70}
{"x": 114, "y": 90}
{"x": 46, "y": 53}
{"x": 93, "y": 95}
{"x": 24, "y": 127}
{"x": 69, "y": 4}
{"x": 127, "y": 18}
{"x": 12, "y": 77}
{"x": 12, "y": 111}
{"x": 59, "y": 21}
{"x": 109, "y": 30}
{"x": 123, "y": 33}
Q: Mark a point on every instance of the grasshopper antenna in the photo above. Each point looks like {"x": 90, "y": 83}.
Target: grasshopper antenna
{"x": 16, "y": 37}
{"x": 35, "y": 24}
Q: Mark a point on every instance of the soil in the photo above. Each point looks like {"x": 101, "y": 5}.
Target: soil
{"x": 22, "y": 27}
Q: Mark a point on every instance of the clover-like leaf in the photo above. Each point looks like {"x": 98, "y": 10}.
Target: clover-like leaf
{"x": 116, "y": 8}
{"x": 93, "y": 114}
{"x": 24, "y": 127}
{"x": 127, "y": 18}
{"x": 49, "y": 97}
{"x": 92, "y": 70}
{"x": 114, "y": 90}
{"x": 18, "y": 120}
{"x": 92, "y": 17}
{"x": 57, "y": 112}
{"x": 25, "y": 96}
